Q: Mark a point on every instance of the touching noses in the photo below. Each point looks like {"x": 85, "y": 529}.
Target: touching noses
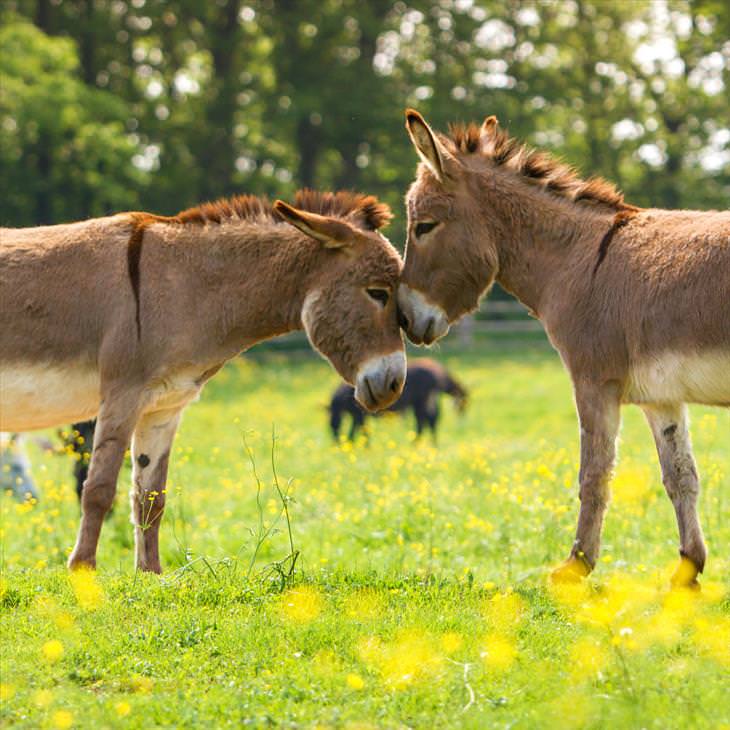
{"x": 423, "y": 322}
{"x": 379, "y": 381}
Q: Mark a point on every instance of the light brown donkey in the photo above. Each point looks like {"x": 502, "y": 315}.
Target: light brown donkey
{"x": 128, "y": 316}
{"x": 637, "y": 302}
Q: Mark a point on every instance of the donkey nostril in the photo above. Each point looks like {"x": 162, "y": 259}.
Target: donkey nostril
{"x": 394, "y": 385}
{"x": 402, "y": 320}
{"x": 369, "y": 387}
{"x": 427, "y": 335}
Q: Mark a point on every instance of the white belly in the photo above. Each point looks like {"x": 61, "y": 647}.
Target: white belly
{"x": 682, "y": 378}
{"x": 39, "y": 396}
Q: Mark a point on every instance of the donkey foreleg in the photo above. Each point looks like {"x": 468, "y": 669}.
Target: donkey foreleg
{"x": 669, "y": 424}
{"x": 114, "y": 427}
{"x": 600, "y": 418}
{"x": 150, "y": 453}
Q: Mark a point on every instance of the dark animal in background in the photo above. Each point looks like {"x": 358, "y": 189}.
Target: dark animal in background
{"x": 425, "y": 382}
{"x": 81, "y": 441}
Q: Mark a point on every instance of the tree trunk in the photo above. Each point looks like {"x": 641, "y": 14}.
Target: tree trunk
{"x": 217, "y": 155}
{"x": 43, "y": 156}
{"x": 43, "y": 215}
{"x": 308, "y": 143}
{"x": 43, "y": 12}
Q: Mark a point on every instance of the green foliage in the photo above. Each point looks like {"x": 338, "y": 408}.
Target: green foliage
{"x": 55, "y": 124}
{"x": 164, "y": 104}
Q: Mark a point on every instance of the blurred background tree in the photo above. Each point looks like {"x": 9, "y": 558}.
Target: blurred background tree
{"x": 108, "y": 105}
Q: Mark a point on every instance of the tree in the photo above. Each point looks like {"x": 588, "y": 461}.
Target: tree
{"x": 64, "y": 148}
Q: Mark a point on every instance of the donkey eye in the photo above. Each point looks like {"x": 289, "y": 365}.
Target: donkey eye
{"x": 423, "y": 228}
{"x": 379, "y": 295}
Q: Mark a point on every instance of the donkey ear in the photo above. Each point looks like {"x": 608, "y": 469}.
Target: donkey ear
{"x": 331, "y": 232}
{"x": 489, "y": 126}
{"x": 429, "y": 149}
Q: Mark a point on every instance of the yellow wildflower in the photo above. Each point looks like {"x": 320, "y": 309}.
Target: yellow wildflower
{"x": 410, "y": 658}
{"x": 504, "y": 611}
{"x": 89, "y": 593}
{"x": 326, "y": 662}
{"x": 451, "y": 642}
{"x": 363, "y": 604}
{"x": 499, "y": 653}
{"x": 301, "y": 605}
{"x": 62, "y": 719}
{"x": 355, "y": 681}
{"x": 43, "y": 697}
{"x": 52, "y": 650}
{"x": 141, "y": 683}
{"x": 588, "y": 657}
{"x": 713, "y": 638}
{"x": 123, "y": 708}
{"x": 64, "y": 620}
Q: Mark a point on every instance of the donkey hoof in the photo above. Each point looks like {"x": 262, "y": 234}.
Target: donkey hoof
{"x": 685, "y": 576}
{"x": 75, "y": 563}
{"x": 573, "y": 570}
{"x": 155, "y": 568}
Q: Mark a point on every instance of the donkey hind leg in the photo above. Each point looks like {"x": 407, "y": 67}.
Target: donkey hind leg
{"x": 600, "y": 417}
{"x": 432, "y": 416}
{"x": 114, "y": 427}
{"x": 151, "y": 446}
{"x": 421, "y": 419}
{"x": 669, "y": 424}
{"x": 358, "y": 421}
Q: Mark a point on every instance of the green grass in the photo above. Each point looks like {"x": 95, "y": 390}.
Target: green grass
{"x": 420, "y": 596}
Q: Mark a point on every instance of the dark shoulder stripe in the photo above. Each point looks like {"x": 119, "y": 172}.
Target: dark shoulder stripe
{"x": 140, "y": 221}
{"x": 619, "y": 221}
{"x": 134, "y": 255}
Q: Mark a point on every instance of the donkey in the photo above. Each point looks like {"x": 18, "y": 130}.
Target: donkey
{"x": 636, "y": 301}
{"x": 166, "y": 302}
{"x": 425, "y": 381}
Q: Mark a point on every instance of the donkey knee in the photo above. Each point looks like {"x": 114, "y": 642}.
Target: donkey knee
{"x": 594, "y": 495}
{"x": 684, "y": 487}
{"x": 97, "y": 497}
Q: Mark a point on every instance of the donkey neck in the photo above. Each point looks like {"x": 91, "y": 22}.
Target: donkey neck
{"x": 254, "y": 275}
{"x": 537, "y": 234}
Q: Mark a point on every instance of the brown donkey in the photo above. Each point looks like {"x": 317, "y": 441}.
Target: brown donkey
{"x": 637, "y": 302}
{"x": 161, "y": 303}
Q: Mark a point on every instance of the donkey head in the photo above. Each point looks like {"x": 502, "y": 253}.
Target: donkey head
{"x": 450, "y": 262}
{"x": 350, "y": 311}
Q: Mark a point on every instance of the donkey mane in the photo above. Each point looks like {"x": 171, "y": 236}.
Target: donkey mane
{"x": 366, "y": 211}
{"x": 538, "y": 167}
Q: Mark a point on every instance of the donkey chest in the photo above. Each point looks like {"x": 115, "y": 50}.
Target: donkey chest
{"x": 681, "y": 378}
{"x": 175, "y": 389}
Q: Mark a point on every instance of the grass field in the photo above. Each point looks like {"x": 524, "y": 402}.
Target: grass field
{"x": 420, "y": 595}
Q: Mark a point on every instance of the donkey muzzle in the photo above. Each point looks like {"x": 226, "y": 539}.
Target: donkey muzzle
{"x": 379, "y": 381}
{"x": 423, "y": 322}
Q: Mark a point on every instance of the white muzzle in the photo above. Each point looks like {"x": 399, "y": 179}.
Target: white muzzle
{"x": 423, "y": 322}
{"x": 379, "y": 381}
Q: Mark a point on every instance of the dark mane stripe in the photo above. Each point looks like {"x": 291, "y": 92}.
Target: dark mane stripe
{"x": 537, "y": 166}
